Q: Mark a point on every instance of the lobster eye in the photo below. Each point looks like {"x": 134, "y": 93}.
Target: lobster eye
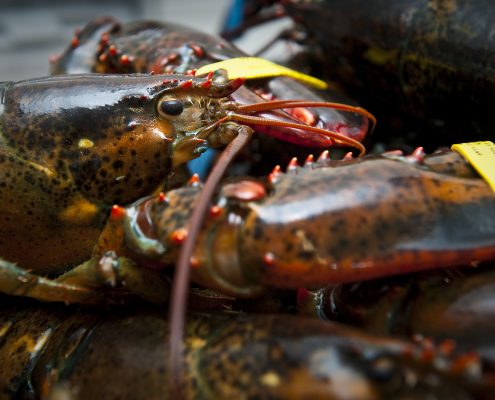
{"x": 171, "y": 107}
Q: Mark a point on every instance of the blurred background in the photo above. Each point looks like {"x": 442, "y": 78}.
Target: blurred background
{"x": 32, "y": 30}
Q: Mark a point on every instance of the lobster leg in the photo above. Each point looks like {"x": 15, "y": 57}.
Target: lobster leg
{"x": 19, "y": 282}
{"x": 118, "y": 273}
{"x": 105, "y": 280}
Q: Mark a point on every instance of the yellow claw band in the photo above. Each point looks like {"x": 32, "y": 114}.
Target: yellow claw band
{"x": 257, "y": 68}
{"x": 481, "y": 155}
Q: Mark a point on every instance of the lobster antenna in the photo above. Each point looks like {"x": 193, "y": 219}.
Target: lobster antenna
{"x": 180, "y": 285}
{"x": 278, "y": 104}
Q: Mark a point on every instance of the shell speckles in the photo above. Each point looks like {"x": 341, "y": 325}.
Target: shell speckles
{"x": 72, "y": 146}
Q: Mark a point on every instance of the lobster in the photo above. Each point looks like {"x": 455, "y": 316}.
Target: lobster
{"x": 72, "y": 146}
{"x": 59, "y": 352}
{"x": 142, "y": 234}
{"x": 425, "y": 65}
{"x": 81, "y": 143}
{"x": 108, "y": 46}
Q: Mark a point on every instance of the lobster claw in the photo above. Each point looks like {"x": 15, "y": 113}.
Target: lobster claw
{"x": 188, "y": 148}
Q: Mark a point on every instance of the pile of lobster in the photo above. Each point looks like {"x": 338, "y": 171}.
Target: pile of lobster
{"x": 97, "y": 201}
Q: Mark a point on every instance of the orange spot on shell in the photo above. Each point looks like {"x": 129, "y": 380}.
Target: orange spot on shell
{"x": 162, "y": 197}
{"x": 117, "y": 212}
{"x": 195, "y": 262}
{"x": 206, "y": 84}
{"x": 194, "y": 180}
{"x": 112, "y": 50}
{"x": 244, "y": 190}
{"x": 74, "y": 42}
{"x": 447, "y": 346}
{"x": 465, "y": 362}
{"x": 269, "y": 259}
{"x": 125, "y": 60}
{"x": 216, "y": 211}
{"x": 178, "y": 236}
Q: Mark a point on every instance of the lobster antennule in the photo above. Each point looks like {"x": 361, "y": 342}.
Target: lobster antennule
{"x": 335, "y": 136}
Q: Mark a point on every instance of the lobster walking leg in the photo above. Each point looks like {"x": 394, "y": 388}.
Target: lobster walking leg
{"x": 102, "y": 280}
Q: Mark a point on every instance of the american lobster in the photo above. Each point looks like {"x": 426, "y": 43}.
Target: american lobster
{"x": 59, "y": 352}
{"x": 108, "y": 46}
{"x": 142, "y": 234}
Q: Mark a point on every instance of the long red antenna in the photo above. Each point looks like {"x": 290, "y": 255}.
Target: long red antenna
{"x": 180, "y": 286}
{"x": 278, "y": 104}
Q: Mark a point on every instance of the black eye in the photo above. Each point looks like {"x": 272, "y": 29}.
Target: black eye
{"x": 171, "y": 107}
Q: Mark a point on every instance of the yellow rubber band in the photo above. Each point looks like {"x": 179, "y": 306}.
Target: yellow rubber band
{"x": 256, "y": 68}
{"x": 481, "y": 155}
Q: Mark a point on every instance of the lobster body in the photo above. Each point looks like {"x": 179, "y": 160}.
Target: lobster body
{"x": 82, "y": 354}
{"x": 71, "y": 147}
{"x": 328, "y": 222}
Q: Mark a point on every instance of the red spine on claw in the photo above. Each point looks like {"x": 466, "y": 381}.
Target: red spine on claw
{"x": 117, "y": 212}
{"x": 178, "y": 236}
{"x": 186, "y": 84}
